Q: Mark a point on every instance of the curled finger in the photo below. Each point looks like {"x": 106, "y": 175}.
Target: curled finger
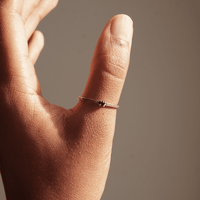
{"x": 35, "y": 46}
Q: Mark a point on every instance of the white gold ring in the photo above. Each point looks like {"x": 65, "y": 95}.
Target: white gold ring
{"x": 99, "y": 102}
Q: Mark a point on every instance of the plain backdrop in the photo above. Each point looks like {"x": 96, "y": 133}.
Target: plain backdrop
{"x": 156, "y": 153}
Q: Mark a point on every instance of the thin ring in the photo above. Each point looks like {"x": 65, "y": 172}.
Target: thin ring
{"x": 99, "y": 102}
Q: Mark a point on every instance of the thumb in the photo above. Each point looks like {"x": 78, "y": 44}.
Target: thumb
{"x": 92, "y": 127}
{"x": 110, "y": 61}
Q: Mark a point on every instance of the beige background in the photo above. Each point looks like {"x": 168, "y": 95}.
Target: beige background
{"x": 156, "y": 154}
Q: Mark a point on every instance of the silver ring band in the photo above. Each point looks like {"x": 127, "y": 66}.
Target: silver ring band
{"x": 100, "y": 102}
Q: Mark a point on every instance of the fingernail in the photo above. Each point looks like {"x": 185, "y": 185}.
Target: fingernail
{"x": 122, "y": 27}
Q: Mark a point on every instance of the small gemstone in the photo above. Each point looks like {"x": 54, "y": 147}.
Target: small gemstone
{"x": 102, "y": 103}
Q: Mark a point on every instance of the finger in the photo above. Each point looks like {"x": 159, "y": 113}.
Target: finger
{"x": 35, "y": 46}
{"x": 28, "y": 7}
{"x": 110, "y": 61}
{"x": 12, "y": 5}
{"x": 106, "y": 79}
{"x": 92, "y": 127}
{"x": 17, "y": 71}
{"x": 43, "y": 8}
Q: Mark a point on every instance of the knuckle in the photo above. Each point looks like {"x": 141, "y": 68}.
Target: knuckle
{"x": 38, "y": 15}
{"x": 112, "y": 56}
{"x": 113, "y": 65}
{"x": 119, "y": 43}
{"x": 54, "y": 3}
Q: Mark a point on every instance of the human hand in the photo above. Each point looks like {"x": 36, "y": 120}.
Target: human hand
{"x": 48, "y": 152}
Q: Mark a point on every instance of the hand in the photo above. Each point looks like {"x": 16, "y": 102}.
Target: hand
{"x": 48, "y": 152}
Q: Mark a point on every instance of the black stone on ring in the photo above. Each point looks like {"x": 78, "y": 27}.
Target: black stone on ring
{"x": 100, "y": 102}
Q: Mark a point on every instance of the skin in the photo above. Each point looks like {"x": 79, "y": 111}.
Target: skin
{"x": 48, "y": 152}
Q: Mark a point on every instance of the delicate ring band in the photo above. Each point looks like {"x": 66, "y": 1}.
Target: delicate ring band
{"x": 100, "y": 102}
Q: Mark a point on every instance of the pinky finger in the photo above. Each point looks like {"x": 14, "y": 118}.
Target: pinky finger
{"x": 35, "y": 46}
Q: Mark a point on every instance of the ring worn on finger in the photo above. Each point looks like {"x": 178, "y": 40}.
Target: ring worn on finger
{"x": 99, "y": 102}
